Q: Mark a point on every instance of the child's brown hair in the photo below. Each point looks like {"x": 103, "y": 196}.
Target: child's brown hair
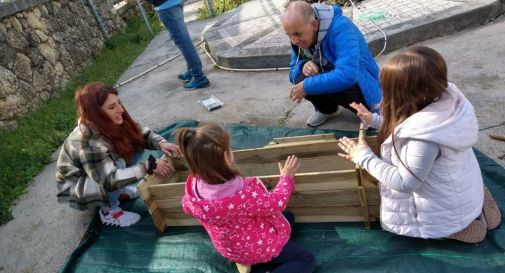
{"x": 410, "y": 81}
{"x": 204, "y": 149}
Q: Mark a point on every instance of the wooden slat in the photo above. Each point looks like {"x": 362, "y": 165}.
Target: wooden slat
{"x": 159, "y": 221}
{"x": 169, "y": 203}
{"x": 175, "y": 215}
{"x": 169, "y": 190}
{"x": 181, "y": 222}
{"x": 341, "y": 184}
{"x": 333, "y": 180}
{"x": 275, "y": 153}
{"x": 303, "y": 138}
{"x": 303, "y": 215}
{"x": 307, "y": 164}
{"x": 346, "y": 198}
{"x": 278, "y": 152}
{"x": 328, "y": 219}
{"x": 344, "y": 211}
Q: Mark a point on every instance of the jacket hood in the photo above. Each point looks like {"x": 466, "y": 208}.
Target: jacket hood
{"x": 449, "y": 121}
{"x": 230, "y": 205}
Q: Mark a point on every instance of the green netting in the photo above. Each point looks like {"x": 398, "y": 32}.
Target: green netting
{"x": 338, "y": 247}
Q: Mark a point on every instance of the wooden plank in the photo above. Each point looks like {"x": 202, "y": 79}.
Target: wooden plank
{"x": 304, "y": 181}
{"x": 278, "y": 152}
{"x": 345, "y": 198}
{"x": 275, "y": 153}
{"x": 303, "y": 138}
{"x": 181, "y": 222}
{"x": 337, "y": 182}
{"x": 303, "y": 215}
{"x": 307, "y": 164}
{"x": 170, "y": 190}
{"x": 159, "y": 221}
{"x": 169, "y": 203}
{"x": 175, "y": 215}
{"x": 332, "y": 180}
{"x": 361, "y": 190}
{"x": 328, "y": 219}
{"x": 344, "y": 211}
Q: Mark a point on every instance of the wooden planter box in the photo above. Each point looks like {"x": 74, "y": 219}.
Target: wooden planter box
{"x": 328, "y": 188}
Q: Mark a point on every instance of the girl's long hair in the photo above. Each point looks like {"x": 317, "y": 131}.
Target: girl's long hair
{"x": 410, "y": 81}
{"x": 125, "y": 138}
{"x": 204, "y": 149}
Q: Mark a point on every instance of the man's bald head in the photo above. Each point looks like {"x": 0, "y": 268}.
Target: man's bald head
{"x": 300, "y": 24}
{"x": 297, "y": 9}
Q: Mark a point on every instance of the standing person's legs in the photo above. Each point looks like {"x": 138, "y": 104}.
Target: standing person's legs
{"x": 173, "y": 19}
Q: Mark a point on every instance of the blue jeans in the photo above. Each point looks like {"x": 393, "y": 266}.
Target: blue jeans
{"x": 173, "y": 19}
{"x": 120, "y": 164}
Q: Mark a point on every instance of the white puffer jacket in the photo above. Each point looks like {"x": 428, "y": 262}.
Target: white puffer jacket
{"x": 452, "y": 195}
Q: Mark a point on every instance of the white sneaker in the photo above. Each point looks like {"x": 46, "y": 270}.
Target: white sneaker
{"x": 128, "y": 193}
{"x": 319, "y": 118}
{"x": 118, "y": 217}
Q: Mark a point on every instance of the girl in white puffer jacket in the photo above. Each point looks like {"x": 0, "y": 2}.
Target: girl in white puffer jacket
{"x": 430, "y": 182}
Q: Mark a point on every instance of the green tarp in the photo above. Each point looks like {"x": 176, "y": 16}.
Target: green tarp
{"x": 338, "y": 247}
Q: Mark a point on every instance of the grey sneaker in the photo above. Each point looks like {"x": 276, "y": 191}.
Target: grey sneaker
{"x": 319, "y": 118}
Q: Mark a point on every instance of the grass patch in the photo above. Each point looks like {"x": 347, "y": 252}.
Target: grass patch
{"x": 220, "y": 6}
{"x": 26, "y": 150}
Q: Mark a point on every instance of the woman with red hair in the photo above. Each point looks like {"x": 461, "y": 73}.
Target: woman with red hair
{"x": 97, "y": 164}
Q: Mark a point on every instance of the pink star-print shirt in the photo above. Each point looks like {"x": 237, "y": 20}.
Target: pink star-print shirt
{"x": 246, "y": 227}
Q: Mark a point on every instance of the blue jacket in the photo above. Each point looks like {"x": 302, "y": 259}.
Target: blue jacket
{"x": 345, "y": 47}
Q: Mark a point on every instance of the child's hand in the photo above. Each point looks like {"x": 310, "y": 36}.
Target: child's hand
{"x": 351, "y": 148}
{"x": 363, "y": 113}
{"x": 290, "y": 167}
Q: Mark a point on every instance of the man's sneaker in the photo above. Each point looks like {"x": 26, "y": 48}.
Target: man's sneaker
{"x": 185, "y": 77}
{"x": 118, "y": 217}
{"x": 319, "y": 118}
{"x": 128, "y": 193}
{"x": 195, "y": 84}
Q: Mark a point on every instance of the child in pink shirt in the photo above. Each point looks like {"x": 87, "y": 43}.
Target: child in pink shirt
{"x": 243, "y": 219}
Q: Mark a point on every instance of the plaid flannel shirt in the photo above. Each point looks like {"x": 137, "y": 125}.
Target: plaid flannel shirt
{"x": 85, "y": 170}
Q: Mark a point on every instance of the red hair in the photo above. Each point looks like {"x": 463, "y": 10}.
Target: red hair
{"x": 126, "y": 138}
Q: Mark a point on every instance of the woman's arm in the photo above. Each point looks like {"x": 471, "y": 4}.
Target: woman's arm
{"x": 99, "y": 166}
{"x": 157, "y": 142}
{"x": 152, "y": 140}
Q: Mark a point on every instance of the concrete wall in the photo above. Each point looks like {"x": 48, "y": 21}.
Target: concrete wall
{"x": 43, "y": 43}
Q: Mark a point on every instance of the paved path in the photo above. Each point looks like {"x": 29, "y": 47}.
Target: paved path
{"x": 43, "y": 233}
{"x": 252, "y": 37}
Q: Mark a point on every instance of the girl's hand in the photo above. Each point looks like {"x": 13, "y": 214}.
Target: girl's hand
{"x": 170, "y": 149}
{"x": 351, "y": 148}
{"x": 363, "y": 113}
{"x": 290, "y": 166}
{"x": 310, "y": 69}
{"x": 163, "y": 168}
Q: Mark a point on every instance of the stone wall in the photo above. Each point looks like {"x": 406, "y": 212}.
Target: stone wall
{"x": 42, "y": 46}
